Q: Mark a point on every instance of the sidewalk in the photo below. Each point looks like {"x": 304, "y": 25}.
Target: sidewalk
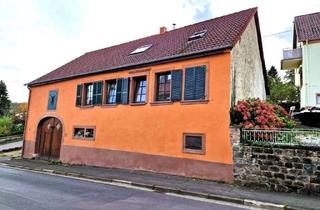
{"x": 11, "y": 146}
{"x": 175, "y": 184}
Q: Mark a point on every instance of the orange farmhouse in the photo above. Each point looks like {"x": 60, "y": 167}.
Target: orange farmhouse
{"x": 159, "y": 103}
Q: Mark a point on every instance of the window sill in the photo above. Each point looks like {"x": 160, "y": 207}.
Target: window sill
{"x": 158, "y": 103}
{"x": 186, "y": 102}
{"x": 83, "y": 139}
{"x": 138, "y": 103}
{"x": 86, "y": 106}
{"x": 196, "y": 152}
{"x": 109, "y": 105}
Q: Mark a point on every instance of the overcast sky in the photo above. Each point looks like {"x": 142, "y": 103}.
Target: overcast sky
{"x": 37, "y": 36}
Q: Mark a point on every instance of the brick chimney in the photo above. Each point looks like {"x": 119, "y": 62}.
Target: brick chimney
{"x": 163, "y": 30}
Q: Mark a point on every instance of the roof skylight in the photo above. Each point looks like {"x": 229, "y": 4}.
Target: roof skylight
{"x": 197, "y": 35}
{"x": 141, "y": 49}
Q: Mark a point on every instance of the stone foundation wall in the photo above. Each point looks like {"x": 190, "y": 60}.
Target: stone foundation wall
{"x": 283, "y": 169}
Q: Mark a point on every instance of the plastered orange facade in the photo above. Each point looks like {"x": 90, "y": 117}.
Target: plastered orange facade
{"x": 155, "y": 129}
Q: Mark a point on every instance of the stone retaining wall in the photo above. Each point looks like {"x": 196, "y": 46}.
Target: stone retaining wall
{"x": 284, "y": 169}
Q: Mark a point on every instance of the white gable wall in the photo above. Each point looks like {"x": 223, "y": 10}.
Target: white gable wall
{"x": 247, "y": 79}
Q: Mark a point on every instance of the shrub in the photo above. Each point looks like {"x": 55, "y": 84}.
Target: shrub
{"x": 5, "y": 126}
{"x": 255, "y": 113}
{"x": 17, "y": 128}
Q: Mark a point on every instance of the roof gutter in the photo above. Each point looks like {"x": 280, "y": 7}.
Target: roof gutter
{"x": 163, "y": 60}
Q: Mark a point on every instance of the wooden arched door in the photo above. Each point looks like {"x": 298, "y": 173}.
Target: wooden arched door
{"x": 49, "y": 138}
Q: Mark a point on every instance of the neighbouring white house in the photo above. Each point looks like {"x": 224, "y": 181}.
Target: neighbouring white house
{"x": 304, "y": 58}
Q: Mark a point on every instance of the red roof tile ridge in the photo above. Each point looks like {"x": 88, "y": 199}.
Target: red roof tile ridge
{"x": 315, "y": 13}
{"x": 181, "y": 28}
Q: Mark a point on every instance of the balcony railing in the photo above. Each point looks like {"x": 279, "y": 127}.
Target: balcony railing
{"x": 292, "y": 53}
{"x": 305, "y": 137}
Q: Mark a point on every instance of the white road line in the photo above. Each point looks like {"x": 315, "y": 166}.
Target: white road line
{"x": 213, "y": 201}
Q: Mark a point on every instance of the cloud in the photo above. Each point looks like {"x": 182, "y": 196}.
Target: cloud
{"x": 37, "y": 36}
{"x": 202, "y": 10}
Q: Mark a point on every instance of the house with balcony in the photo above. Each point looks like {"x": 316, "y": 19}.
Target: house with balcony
{"x": 304, "y": 58}
{"x": 160, "y": 103}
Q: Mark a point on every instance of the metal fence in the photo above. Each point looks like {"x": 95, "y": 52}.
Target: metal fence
{"x": 305, "y": 137}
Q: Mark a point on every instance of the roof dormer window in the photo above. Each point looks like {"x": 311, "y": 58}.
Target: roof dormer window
{"x": 141, "y": 49}
{"x": 197, "y": 35}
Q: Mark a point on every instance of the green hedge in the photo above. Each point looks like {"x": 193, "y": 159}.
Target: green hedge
{"x": 7, "y": 127}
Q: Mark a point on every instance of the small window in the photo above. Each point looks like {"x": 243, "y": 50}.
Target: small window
{"x": 163, "y": 86}
{"x": 78, "y": 132}
{"x": 197, "y": 35}
{"x": 141, "y": 49}
{"x": 111, "y": 91}
{"x": 85, "y": 133}
{"x": 52, "y": 99}
{"x": 193, "y": 143}
{"x": 89, "y": 94}
{"x": 318, "y": 99}
{"x": 140, "y": 89}
{"x": 89, "y": 133}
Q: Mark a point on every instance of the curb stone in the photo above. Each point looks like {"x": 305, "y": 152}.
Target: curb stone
{"x": 148, "y": 186}
{"x": 224, "y": 198}
{"x": 11, "y": 149}
{"x": 162, "y": 189}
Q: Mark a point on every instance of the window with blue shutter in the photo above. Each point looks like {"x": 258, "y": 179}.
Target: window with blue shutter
{"x": 176, "y": 85}
{"x": 195, "y": 83}
{"x": 88, "y": 88}
{"x": 111, "y": 91}
{"x": 97, "y": 93}
{"x": 79, "y": 95}
{"x": 163, "y": 86}
{"x": 140, "y": 92}
{"x": 122, "y": 96}
{"x": 52, "y": 99}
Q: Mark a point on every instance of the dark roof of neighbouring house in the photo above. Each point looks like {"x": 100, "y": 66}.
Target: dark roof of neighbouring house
{"x": 222, "y": 33}
{"x": 307, "y": 27}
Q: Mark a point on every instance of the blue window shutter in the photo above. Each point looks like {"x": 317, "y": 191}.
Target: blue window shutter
{"x": 119, "y": 90}
{"x": 125, "y": 91}
{"x": 200, "y": 82}
{"x": 97, "y": 93}
{"x": 122, "y": 96}
{"x": 52, "y": 99}
{"x": 189, "y": 84}
{"x": 176, "y": 85}
{"x": 79, "y": 95}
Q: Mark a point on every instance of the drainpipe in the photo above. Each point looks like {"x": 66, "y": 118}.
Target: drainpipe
{"x": 307, "y": 75}
{"x": 25, "y": 124}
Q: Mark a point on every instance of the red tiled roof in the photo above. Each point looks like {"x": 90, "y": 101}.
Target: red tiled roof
{"x": 222, "y": 32}
{"x": 307, "y": 27}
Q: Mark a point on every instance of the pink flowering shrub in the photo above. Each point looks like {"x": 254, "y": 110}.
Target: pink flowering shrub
{"x": 255, "y": 113}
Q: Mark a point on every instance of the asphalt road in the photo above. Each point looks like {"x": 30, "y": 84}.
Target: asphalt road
{"x": 28, "y": 190}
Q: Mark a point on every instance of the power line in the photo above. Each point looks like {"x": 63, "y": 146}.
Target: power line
{"x": 275, "y": 34}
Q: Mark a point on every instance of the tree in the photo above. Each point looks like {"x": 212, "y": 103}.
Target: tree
{"x": 289, "y": 76}
{"x": 273, "y": 72}
{"x": 281, "y": 91}
{"x": 4, "y": 99}
{"x": 19, "y": 112}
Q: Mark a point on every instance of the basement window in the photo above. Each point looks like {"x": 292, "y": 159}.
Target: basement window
{"x": 141, "y": 49}
{"x": 197, "y": 35}
{"x": 84, "y": 133}
{"x": 193, "y": 143}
